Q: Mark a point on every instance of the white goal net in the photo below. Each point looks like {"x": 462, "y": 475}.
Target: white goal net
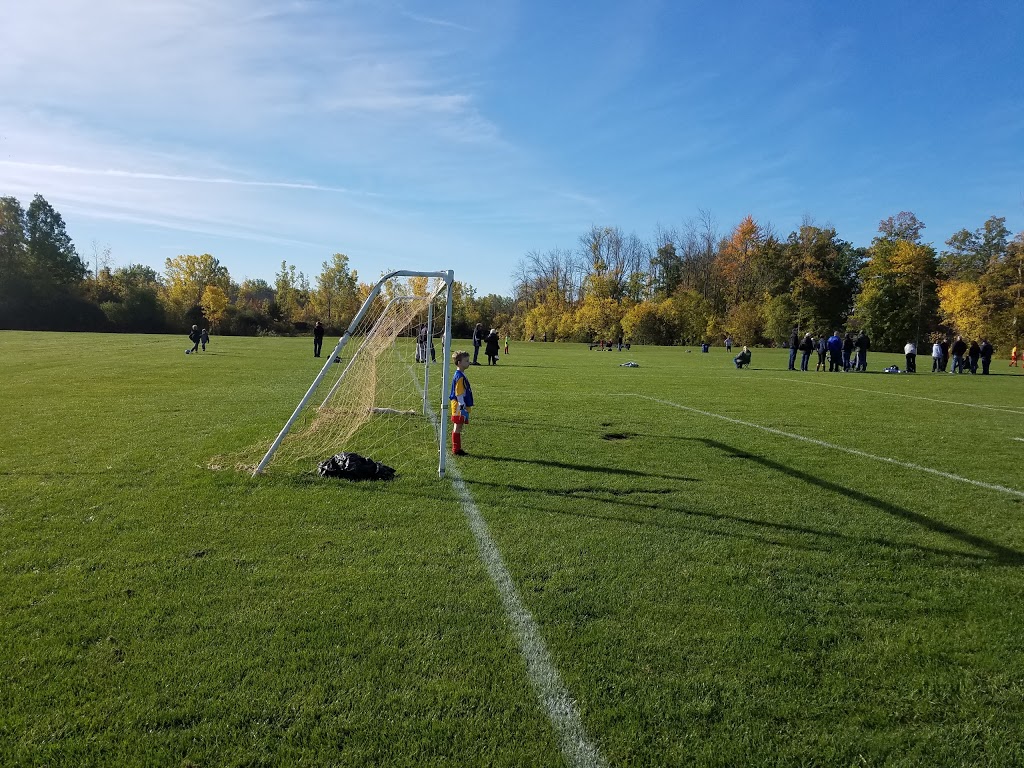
{"x": 373, "y": 394}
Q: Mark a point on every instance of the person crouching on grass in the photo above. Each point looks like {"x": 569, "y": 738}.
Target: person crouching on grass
{"x": 461, "y": 397}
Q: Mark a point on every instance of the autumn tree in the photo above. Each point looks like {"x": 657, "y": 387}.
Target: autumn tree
{"x": 898, "y": 300}
{"x": 185, "y": 280}
{"x": 214, "y": 303}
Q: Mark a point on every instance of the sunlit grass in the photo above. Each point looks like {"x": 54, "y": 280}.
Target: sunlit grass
{"x": 711, "y": 593}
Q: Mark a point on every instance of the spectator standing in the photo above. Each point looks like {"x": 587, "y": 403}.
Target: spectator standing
{"x": 959, "y": 349}
{"x": 973, "y": 354}
{"x": 863, "y": 344}
{"x": 822, "y": 351}
{"x": 944, "y": 346}
{"x": 806, "y": 346}
{"x": 847, "y": 351}
{"x": 986, "y": 356}
{"x": 835, "y": 352}
{"x": 318, "y": 338}
{"x": 728, "y": 344}
{"x": 478, "y": 339}
{"x": 794, "y": 342}
{"x": 936, "y": 357}
{"x": 492, "y": 347}
{"x": 910, "y": 350}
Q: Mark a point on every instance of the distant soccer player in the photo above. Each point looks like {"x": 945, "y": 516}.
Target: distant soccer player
{"x": 195, "y": 337}
{"x": 461, "y": 398}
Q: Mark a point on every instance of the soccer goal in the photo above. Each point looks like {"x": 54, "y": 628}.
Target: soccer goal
{"x": 372, "y": 395}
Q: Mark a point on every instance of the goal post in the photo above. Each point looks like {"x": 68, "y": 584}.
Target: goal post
{"x": 377, "y": 378}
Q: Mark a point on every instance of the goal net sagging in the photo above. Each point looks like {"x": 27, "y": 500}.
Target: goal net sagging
{"x": 373, "y": 394}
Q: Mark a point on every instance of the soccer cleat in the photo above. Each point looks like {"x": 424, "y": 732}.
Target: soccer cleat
{"x": 459, "y": 452}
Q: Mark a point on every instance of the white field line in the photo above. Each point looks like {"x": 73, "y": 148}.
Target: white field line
{"x": 1019, "y": 439}
{"x": 559, "y": 705}
{"x": 833, "y": 446}
{"x": 811, "y": 381}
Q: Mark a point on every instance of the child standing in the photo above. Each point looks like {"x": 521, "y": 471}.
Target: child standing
{"x": 205, "y": 338}
{"x": 461, "y": 397}
{"x": 507, "y": 337}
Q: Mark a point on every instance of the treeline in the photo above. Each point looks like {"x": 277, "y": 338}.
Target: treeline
{"x": 45, "y": 285}
{"x": 695, "y": 284}
{"x": 688, "y": 285}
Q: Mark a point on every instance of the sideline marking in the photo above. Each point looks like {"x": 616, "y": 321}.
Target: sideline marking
{"x": 561, "y": 710}
{"x": 1021, "y": 439}
{"x": 853, "y": 451}
{"x": 1017, "y": 412}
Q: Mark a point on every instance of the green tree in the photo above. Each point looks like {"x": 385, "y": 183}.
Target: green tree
{"x": 898, "y": 300}
{"x": 336, "y": 297}
{"x": 824, "y": 277}
{"x": 13, "y": 241}
{"x": 970, "y": 253}
{"x": 50, "y": 251}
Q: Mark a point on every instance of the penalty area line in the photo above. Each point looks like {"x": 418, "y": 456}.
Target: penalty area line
{"x": 832, "y": 446}
{"x": 578, "y": 750}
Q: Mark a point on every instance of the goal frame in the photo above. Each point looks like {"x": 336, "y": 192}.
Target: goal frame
{"x": 448, "y": 276}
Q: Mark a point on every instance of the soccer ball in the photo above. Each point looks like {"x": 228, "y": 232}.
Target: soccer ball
{"x": 188, "y": 351}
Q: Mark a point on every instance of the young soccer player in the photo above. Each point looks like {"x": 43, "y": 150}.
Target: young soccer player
{"x": 461, "y": 397}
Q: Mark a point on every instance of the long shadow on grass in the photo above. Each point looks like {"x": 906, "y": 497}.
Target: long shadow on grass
{"x": 618, "y": 499}
{"x": 1001, "y": 554}
{"x": 587, "y": 468}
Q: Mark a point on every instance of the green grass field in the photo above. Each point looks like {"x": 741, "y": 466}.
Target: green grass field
{"x": 712, "y": 589}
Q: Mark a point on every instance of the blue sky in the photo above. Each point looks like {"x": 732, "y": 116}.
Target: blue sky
{"x": 463, "y": 135}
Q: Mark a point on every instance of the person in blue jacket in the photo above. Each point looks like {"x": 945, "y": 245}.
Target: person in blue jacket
{"x": 835, "y": 352}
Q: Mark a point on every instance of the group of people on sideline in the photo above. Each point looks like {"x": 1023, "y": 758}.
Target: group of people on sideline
{"x": 847, "y": 352}
{"x": 841, "y": 353}
{"x": 965, "y": 356}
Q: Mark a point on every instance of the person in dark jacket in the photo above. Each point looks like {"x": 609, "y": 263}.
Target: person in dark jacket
{"x": 958, "y": 350}
{"x": 835, "y": 352}
{"x": 478, "y": 339}
{"x": 863, "y": 344}
{"x": 944, "y": 347}
{"x": 743, "y": 358}
{"x": 492, "y": 347}
{"x": 794, "y": 341}
{"x": 822, "y": 351}
{"x": 987, "y": 350}
{"x": 318, "y": 338}
{"x": 195, "y": 337}
{"x": 847, "y": 351}
{"x": 973, "y": 354}
{"x": 806, "y": 346}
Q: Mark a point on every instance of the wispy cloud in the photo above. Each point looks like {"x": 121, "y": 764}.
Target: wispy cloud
{"x": 114, "y": 173}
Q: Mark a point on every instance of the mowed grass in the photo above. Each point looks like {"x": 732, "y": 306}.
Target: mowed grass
{"x": 710, "y": 592}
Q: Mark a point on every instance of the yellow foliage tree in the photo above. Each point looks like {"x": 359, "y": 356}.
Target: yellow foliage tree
{"x": 214, "y": 304}
{"x": 186, "y": 278}
{"x": 961, "y": 308}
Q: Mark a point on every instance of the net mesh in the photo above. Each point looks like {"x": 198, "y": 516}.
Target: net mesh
{"x": 371, "y": 400}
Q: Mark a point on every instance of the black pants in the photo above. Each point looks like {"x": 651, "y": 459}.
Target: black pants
{"x": 985, "y": 362}
{"x": 912, "y": 363}
{"x": 317, "y": 346}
